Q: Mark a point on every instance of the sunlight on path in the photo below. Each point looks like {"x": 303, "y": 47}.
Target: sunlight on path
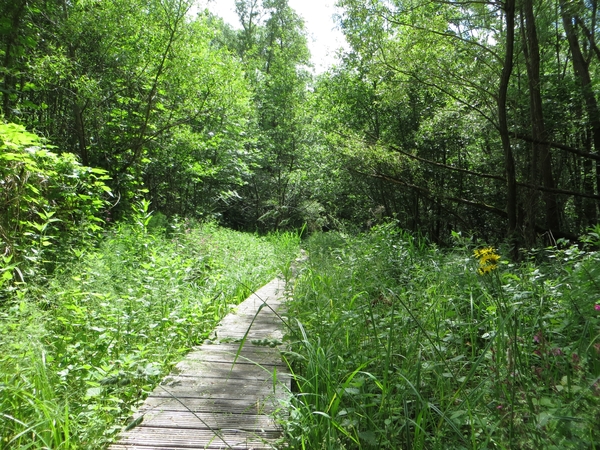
{"x": 221, "y": 396}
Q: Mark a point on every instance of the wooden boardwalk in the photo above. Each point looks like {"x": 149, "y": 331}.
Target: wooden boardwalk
{"x": 221, "y": 396}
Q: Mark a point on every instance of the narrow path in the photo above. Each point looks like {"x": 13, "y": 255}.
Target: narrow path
{"x": 221, "y": 397}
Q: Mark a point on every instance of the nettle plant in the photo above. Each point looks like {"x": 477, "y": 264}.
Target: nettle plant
{"x": 49, "y": 202}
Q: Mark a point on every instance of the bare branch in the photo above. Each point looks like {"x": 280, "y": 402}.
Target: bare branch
{"x": 573, "y": 150}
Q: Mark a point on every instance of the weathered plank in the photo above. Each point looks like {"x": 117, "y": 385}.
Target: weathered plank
{"x": 160, "y": 418}
{"x": 196, "y": 439}
{"x": 221, "y": 394}
{"x": 216, "y": 445}
{"x": 211, "y": 446}
{"x": 218, "y": 369}
{"x": 209, "y": 354}
{"x": 219, "y": 388}
{"x": 231, "y": 405}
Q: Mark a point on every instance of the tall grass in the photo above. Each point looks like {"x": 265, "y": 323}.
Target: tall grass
{"x": 398, "y": 344}
{"x": 79, "y": 354}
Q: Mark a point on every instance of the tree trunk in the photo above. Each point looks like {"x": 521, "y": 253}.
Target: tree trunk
{"x": 509, "y": 161}
{"x": 9, "y": 50}
{"x": 541, "y": 163}
{"x": 581, "y": 69}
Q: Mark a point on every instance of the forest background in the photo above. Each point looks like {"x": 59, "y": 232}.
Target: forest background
{"x": 453, "y": 119}
{"x": 456, "y": 116}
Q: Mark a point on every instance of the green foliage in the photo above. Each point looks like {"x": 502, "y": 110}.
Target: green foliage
{"x": 78, "y": 357}
{"x": 224, "y": 124}
{"x": 49, "y": 203}
{"x": 158, "y": 104}
{"x": 412, "y": 113}
{"x": 398, "y": 344}
{"x": 273, "y": 48}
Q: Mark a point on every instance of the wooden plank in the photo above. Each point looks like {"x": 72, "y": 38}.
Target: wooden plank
{"x": 169, "y": 437}
{"x": 205, "y": 421}
{"x": 243, "y": 359}
{"x": 275, "y": 316}
{"x": 234, "y": 347}
{"x": 239, "y": 330}
{"x": 242, "y": 369}
{"x": 203, "y": 386}
{"x": 265, "y": 316}
{"x": 208, "y": 446}
{"x": 211, "y": 446}
{"x": 210, "y": 402}
{"x": 227, "y": 353}
{"x": 232, "y": 405}
{"x": 218, "y": 391}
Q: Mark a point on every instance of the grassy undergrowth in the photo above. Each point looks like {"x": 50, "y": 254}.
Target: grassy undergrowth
{"x": 78, "y": 354}
{"x": 397, "y": 344}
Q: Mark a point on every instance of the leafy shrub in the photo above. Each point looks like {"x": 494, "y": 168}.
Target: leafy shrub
{"x": 48, "y": 203}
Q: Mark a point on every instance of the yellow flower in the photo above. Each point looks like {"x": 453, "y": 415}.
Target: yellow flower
{"x": 480, "y": 253}
{"x": 488, "y": 260}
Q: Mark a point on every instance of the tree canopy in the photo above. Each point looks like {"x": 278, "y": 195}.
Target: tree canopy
{"x": 479, "y": 117}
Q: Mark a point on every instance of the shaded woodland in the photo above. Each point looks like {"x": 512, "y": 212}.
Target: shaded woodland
{"x": 451, "y": 155}
{"x": 480, "y": 117}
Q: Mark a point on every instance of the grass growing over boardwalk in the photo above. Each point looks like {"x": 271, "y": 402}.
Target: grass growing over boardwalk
{"x": 397, "y": 344}
{"x": 78, "y": 354}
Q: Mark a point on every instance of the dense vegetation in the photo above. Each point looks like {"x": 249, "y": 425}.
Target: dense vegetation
{"x": 79, "y": 353}
{"x": 131, "y": 131}
{"x": 398, "y": 344}
{"x": 449, "y": 116}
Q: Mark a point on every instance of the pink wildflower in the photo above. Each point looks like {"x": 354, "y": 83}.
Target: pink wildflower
{"x": 597, "y": 307}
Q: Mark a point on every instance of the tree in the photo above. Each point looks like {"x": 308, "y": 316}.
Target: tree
{"x": 122, "y": 84}
{"x": 572, "y": 21}
{"x": 273, "y": 47}
{"x": 482, "y": 61}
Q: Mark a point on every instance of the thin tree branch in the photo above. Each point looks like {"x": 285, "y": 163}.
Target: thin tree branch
{"x": 484, "y": 206}
{"x": 589, "y": 35}
{"x": 444, "y": 34}
{"x": 573, "y": 150}
{"x": 441, "y": 89}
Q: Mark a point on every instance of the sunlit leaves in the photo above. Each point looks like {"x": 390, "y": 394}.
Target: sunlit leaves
{"x": 44, "y": 197}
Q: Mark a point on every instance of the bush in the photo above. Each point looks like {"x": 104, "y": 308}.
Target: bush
{"x": 400, "y": 344}
{"x": 49, "y": 203}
